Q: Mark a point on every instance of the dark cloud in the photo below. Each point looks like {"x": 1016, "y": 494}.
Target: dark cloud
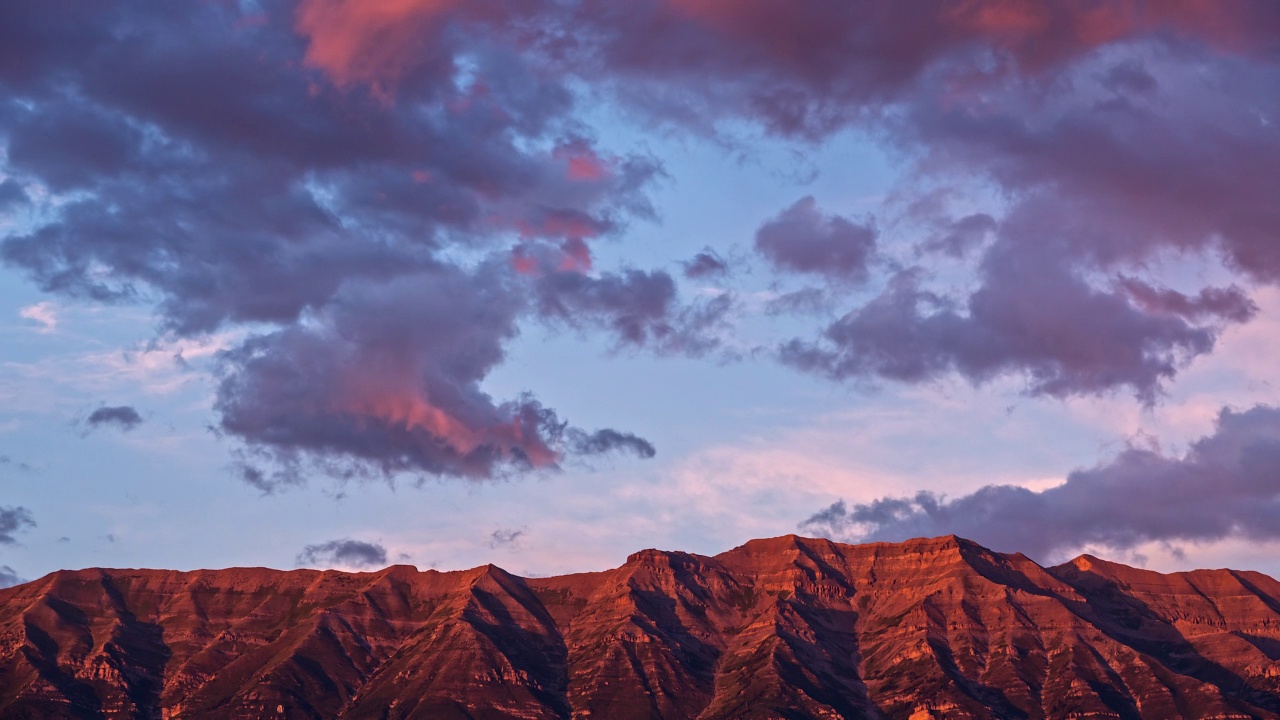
{"x": 1129, "y": 77}
{"x": 13, "y": 520}
{"x": 1100, "y": 188}
{"x": 803, "y": 239}
{"x": 1101, "y": 183}
{"x": 9, "y": 577}
{"x": 960, "y": 236}
{"x": 311, "y": 168}
{"x": 809, "y": 68}
{"x": 1186, "y": 167}
{"x": 11, "y": 195}
{"x": 1229, "y": 303}
{"x": 122, "y": 417}
{"x": 280, "y": 170}
{"x": 259, "y": 210}
{"x": 1030, "y": 316}
{"x": 705, "y": 264}
{"x": 609, "y": 440}
{"x": 635, "y": 304}
{"x": 640, "y": 308}
{"x": 346, "y": 552}
{"x": 387, "y": 379}
{"x": 505, "y": 538}
{"x": 1226, "y": 485}
{"x": 1113, "y": 135}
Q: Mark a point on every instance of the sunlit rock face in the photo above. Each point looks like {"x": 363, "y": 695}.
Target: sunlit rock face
{"x": 784, "y": 628}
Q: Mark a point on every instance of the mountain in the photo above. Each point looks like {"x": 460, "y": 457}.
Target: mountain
{"x": 788, "y": 628}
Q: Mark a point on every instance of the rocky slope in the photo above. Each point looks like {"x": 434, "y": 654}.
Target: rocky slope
{"x": 784, "y": 629}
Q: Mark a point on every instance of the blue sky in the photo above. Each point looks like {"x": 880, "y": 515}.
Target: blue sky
{"x": 405, "y": 281}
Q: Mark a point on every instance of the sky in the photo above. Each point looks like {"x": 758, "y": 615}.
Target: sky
{"x": 348, "y": 283}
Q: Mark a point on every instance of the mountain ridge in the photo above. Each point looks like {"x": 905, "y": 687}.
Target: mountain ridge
{"x": 776, "y": 629}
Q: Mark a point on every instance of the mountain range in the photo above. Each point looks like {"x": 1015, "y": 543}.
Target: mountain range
{"x": 787, "y": 628}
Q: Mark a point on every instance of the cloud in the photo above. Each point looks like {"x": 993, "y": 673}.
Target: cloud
{"x": 1102, "y": 184}
{"x": 707, "y": 263}
{"x": 609, "y": 440}
{"x": 505, "y": 538}
{"x": 12, "y": 195}
{"x": 331, "y": 175}
{"x": 9, "y": 577}
{"x": 7, "y": 461}
{"x": 1109, "y": 139}
{"x": 634, "y": 304}
{"x": 374, "y": 42}
{"x": 805, "y": 301}
{"x": 640, "y": 308}
{"x": 810, "y": 68}
{"x": 12, "y": 520}
{"x": 44, "y": 313}
{"x": 336, "y": 178}
{"x": 122, "y": 417}
{"x": 1224, "y": 486}
{"x": 345, "y": 553}
{"x": 1065, "y": 336}
{"x": 387, "y": 380}
{"x": 1229, "y": 303}
{"x": 802, "y": 239}
{"x": 958, "y": 237}
{"x": 804, "y": 69}
{"x": 159, "y": 366}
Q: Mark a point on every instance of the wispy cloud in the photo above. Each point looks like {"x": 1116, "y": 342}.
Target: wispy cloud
{"x": 43, "y": 313}
{"x": 160, "y": 367}
{"x": 506, "y": 538}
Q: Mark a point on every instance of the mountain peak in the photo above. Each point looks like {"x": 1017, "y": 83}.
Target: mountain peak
{"x": 789, "y": 626}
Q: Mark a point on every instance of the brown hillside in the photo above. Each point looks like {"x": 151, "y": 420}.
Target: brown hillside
{"x": 785, "y": 628}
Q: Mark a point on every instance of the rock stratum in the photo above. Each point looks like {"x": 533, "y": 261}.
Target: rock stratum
{"x": 787, "y": 629}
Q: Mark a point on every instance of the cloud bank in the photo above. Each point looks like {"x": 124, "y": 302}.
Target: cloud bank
{"x": 381, "y": 195}
{"x": 1226, "y": 485}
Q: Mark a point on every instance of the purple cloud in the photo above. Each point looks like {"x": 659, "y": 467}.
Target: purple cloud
{"x": 1114, "y": 137}
{"x": 356, "y": 553}
{"x": 705, "y": 264}
{"x": 122, "y": 417}
{"x": 12, "y": 520}
{"x": 1030, "y": 316}
{"x": 1225, "y": 485}
{"x": 272, "y": 170}
{"x": 803, "y": 239}
{"x": 610, "y": 440}
{"x": 311, "y": 170}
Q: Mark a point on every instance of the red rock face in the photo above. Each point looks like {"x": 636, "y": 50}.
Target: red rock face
{"x": 779, "y": 629}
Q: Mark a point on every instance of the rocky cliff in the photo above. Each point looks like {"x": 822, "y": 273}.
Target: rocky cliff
{"x": 785, "y": 629}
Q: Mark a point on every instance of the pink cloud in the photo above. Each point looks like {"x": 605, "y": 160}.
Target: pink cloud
{"x": 369, "y": 41}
